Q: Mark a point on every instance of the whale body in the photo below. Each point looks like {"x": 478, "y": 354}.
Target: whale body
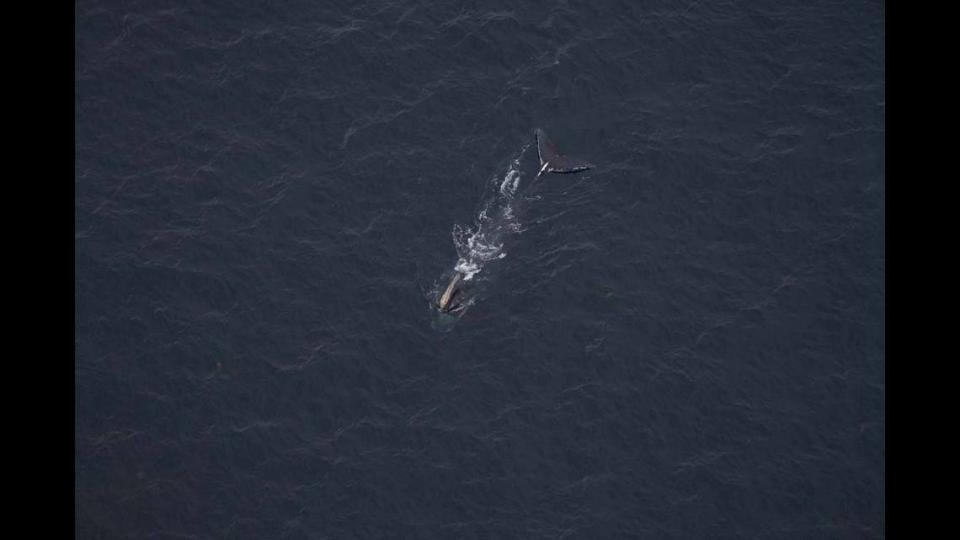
{"x": 551, "y": 160}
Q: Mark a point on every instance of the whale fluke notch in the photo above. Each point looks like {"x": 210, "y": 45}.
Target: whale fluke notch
{"x": 551, "y": 160}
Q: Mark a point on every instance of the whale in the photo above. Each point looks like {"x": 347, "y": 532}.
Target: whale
{"x": 453, "y": 299}
{"x": 552, "y": 161}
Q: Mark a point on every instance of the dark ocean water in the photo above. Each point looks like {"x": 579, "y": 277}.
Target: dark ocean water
{"x": 685, "y": 342}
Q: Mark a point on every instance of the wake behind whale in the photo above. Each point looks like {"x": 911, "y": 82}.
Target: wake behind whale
{"x": 483, "y": 242}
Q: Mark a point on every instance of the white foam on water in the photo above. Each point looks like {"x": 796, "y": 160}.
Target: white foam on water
{"x": 483, "y": 242}
{"x": 511, "y": 181}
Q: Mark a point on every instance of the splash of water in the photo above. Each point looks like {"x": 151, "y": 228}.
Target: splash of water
{"x": 483, "y": 242}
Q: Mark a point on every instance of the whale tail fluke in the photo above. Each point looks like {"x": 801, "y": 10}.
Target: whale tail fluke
{"x": 551, "y": 160}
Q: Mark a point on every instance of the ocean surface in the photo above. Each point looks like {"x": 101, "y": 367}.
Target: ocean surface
{"x": 686, "y": 341}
